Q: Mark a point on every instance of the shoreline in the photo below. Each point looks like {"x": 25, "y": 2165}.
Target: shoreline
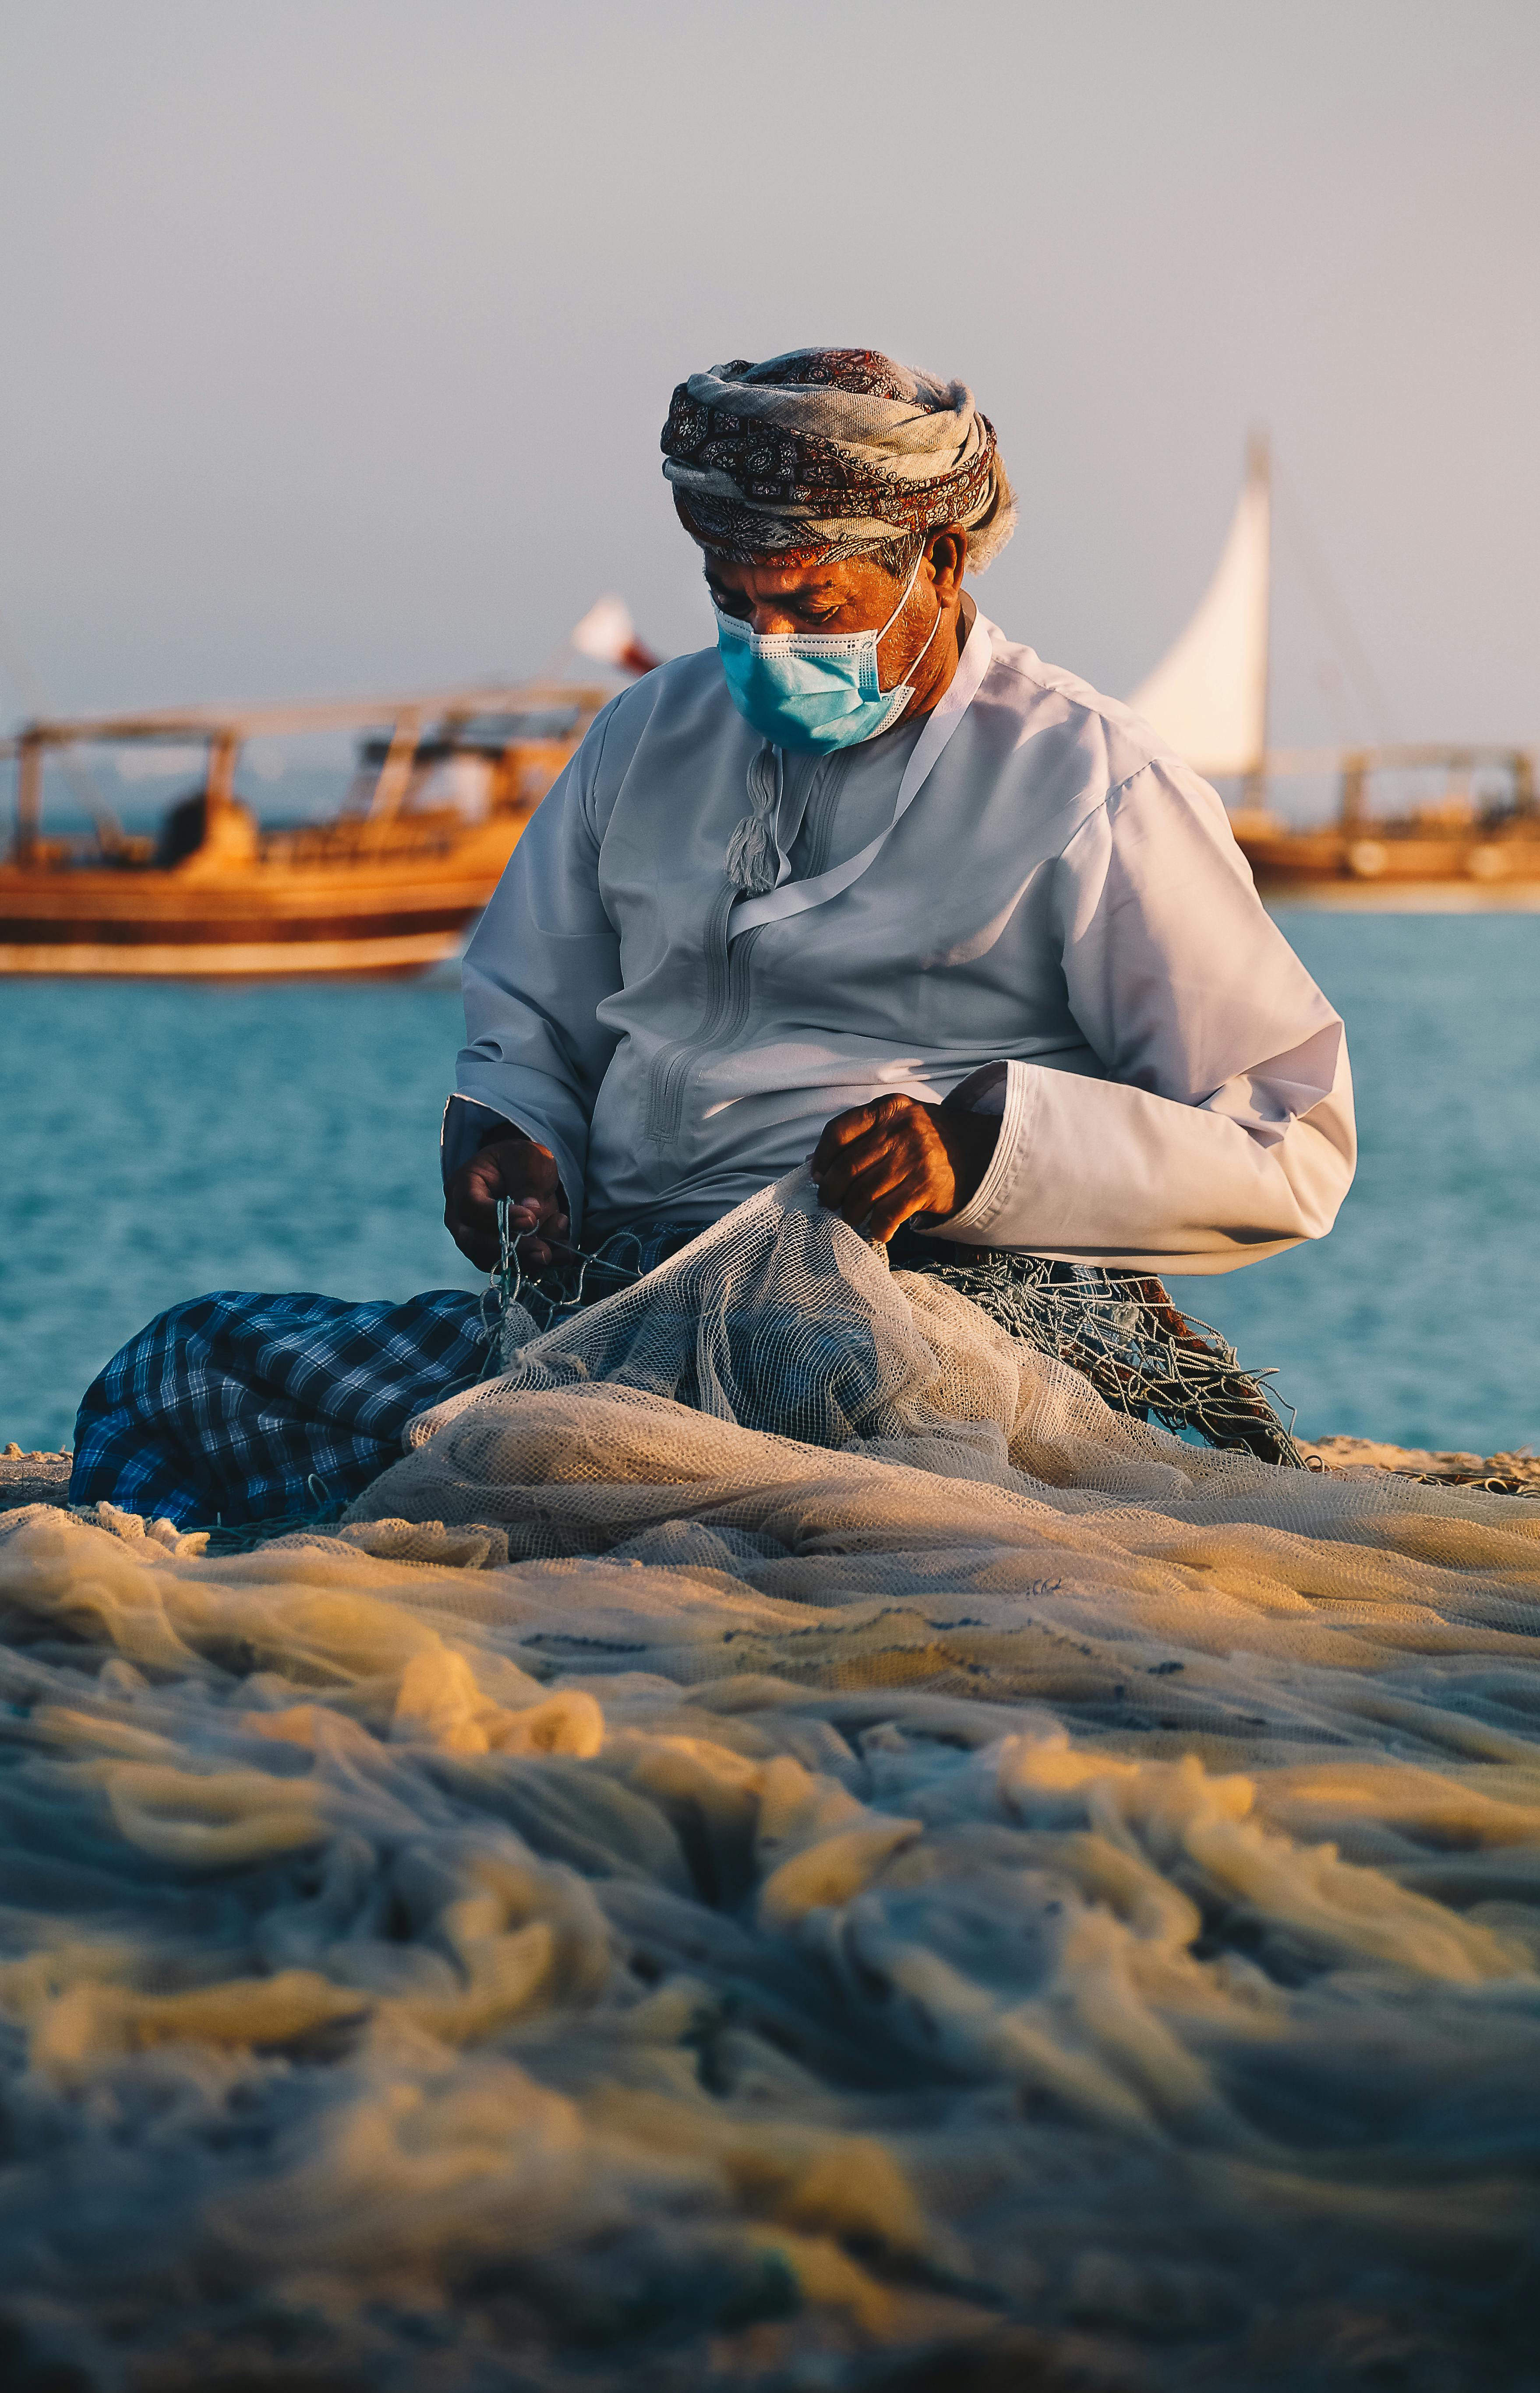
{"x": 43, "y": 1477}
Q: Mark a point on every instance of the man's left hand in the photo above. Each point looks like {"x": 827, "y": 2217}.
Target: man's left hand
{"x": 880, "y": 1164}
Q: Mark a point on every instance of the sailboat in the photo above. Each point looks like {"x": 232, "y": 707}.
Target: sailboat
{"x": 1208, "y": 699}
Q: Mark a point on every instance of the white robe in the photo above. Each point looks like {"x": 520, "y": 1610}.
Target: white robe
{"x": 1063, "y": 898}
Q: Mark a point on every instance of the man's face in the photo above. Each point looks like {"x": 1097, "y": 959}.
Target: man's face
{"x": 855, "y": 595}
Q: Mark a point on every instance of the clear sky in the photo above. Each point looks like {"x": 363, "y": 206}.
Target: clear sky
{"x": 337, "y": 334}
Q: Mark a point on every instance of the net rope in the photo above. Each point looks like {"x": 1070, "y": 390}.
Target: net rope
{"x": 1119, "y": 1330}
{"x": 784, "y": 1841}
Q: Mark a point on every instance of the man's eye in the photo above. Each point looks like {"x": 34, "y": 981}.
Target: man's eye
{"x": 728, "y": 602}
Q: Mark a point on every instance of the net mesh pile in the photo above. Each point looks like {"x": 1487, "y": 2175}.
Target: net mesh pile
{"x": 784, "y": 1842}
{"x": 1118, "y": 1330}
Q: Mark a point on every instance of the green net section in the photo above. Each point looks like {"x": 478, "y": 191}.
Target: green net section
{"x": 1142, "y": 1354}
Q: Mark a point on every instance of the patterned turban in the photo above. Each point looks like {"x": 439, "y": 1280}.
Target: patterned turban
{"x": 824, "y": 452}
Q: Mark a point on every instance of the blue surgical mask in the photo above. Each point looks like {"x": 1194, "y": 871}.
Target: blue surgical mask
{"x": 814, "y": 691}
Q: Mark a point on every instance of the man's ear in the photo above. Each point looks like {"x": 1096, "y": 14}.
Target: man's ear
{"x": 945, "y": 557}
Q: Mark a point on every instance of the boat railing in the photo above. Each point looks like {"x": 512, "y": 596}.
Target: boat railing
{"x": 1357, "y": 767}
{"x": 223, "y": 730}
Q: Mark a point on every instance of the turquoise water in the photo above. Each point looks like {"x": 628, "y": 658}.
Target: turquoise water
{"x": 160, "y": 1141}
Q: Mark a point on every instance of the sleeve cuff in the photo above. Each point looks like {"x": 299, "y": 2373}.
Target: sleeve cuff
{"x": 466, "y": 1126}
{"x": 1006, "y": 1165}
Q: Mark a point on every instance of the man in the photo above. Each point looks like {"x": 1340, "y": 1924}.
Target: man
{"x": 864, "y": 882}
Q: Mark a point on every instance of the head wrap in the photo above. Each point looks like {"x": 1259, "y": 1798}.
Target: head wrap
{"x": 820, "y": 454}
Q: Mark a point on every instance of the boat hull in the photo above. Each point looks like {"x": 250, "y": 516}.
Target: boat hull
{"x": 400, "y": 956}
{"x": 390, "y": 915}
{"x": 1363, "y": 868}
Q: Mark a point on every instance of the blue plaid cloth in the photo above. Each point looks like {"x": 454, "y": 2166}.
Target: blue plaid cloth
{"x": 239, "y": 1408}
{"x": 231, "y": 1405}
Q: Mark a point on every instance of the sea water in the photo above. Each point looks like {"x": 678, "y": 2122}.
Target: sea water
{"x": 159, "y": 1141}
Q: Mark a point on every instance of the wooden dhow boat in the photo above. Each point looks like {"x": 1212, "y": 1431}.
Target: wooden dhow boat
{"x": 387, "y": 886}
{"x": 1476, "y": 843}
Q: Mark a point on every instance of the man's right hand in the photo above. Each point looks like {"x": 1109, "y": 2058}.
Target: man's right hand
{"x": 514, "y": 1168}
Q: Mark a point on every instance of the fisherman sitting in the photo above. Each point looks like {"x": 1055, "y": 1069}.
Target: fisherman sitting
{"x": 865, "y": 881}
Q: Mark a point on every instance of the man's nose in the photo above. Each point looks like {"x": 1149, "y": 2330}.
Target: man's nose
{"x": 769, "y": 618}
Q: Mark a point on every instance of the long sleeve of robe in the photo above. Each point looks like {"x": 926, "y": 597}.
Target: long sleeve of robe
{"x": 1064, "y": 901}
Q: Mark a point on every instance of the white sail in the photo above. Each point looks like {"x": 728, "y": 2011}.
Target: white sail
{"x": 605, "y": 632}
{"x": 1208, "y": 696}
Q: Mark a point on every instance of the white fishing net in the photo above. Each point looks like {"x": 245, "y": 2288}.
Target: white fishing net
{"x": 783, "y": 1842}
